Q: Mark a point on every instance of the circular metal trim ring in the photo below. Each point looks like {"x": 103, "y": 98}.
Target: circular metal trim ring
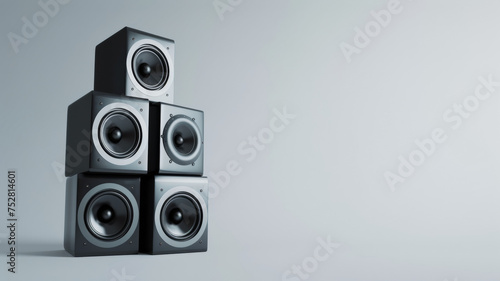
{"x": 133, "y": 49}
{"x": 134, "y": 122}
{"x": 95, "y": 134}
{"x": 168, "y": 143}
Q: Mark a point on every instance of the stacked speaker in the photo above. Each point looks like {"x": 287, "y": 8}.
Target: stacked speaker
{"x": 134, "y": 159}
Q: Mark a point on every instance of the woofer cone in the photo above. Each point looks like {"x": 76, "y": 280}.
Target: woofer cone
{"x": 120, "y": 134}
{"x": 150, "y": 67}
{"x": 181, "y": 217}
{"x": 108, "y": 215}
{"x": 182, "y": 140}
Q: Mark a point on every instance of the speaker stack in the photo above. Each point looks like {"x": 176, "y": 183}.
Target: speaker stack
{"x": 134, "y": 159}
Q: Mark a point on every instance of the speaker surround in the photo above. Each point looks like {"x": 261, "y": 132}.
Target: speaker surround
{"x": 135, "y": 63}
{"x": 150, "y": 67}
{"x": 102, "y": 215}
{"x": 107, "y": 133}
{"x": 176, "y": 218}
{"x": 120, "y": 133}
{"x": 176, "y": 135}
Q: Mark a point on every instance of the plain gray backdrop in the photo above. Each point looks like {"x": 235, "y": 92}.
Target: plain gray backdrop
{"x": 322, "y": 176}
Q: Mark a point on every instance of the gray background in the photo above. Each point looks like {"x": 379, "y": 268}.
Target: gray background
{"x": 322, "y": 176}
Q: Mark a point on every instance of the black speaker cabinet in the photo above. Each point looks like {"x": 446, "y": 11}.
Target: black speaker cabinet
{"x": 107, "y": 133}
{"x": 102, "y": 215}
{"x": 174, "y": 214}
{"x": 135, "y": 63}
{"x": 176, "y": 140}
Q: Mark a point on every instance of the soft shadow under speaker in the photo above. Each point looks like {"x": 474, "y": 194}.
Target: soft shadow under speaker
{"x": 135, "y": 63}
{"x": 176, "y": 140}
{"x": 102, "y": 215}
{"x": 107, "y": 134}
{"x": 174, "y": 214}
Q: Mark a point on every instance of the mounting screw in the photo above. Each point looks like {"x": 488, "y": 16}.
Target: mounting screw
{"x": 201, "y": 190}
{"x": 171, "y": 115}
{"x": 98, "y": 159}
{"x": 192, "y": 164}
{"x": 100, "y": 103}
{"x": 170, "y": 161}
{"x": 141, "y": 109}
{"x": 131, "y": 89}
{"x": 140, "y": 162}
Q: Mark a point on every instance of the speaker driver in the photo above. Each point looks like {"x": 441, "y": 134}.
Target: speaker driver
{"x": 182, "y": 140}
{"x": 181, "y": 217}
{"x": 120, "y": 134}
{"x": 150, "y": 67}
{"x": 108, "y": 215}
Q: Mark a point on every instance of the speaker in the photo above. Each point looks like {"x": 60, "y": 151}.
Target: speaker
{"x": 102, "y": 215}
{"x": 176, "y": 140}
{"x": 137, "y": 64}
{"x": 174, "y": 214}
{"x": 107, "y": 133}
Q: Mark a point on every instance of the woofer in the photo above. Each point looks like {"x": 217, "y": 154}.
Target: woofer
{"x": 102, "y": 214}
{"x": 137, "y": 64}
{"x": 181, "y": 216}
{"x": 120, "y": 134}
{"x": 108, "y": 215}
{"x": 182, "y": 140}
{"x": 107, "y": 133}
{"x": 150, "y": 67}
{"x": 174, "y": 214}
{"x": 176, "y": 140}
